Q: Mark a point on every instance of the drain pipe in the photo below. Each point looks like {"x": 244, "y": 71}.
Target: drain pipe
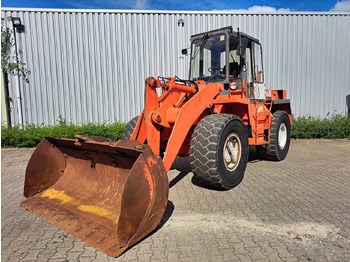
{"x": 17, "y": 26}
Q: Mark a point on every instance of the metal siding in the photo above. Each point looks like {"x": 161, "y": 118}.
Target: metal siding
{"x": 90, "y": 66}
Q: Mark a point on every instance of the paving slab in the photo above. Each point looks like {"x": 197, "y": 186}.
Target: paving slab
{"x": 294, "y": 210}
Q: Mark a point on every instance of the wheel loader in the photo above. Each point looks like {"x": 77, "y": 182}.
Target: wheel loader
{"x": 113, "y": 194}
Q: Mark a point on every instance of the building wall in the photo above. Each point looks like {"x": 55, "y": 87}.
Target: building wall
{"x": 90, "y": 65}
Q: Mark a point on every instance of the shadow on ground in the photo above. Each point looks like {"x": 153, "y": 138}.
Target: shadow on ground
{"x": 183, "y": 165}
{"x": 167, "y": 214}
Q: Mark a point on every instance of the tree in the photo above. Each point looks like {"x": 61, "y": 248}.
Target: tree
{"x": 10, "y": 62}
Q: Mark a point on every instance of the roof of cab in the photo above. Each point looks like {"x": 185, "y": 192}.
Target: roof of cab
{"x": 224, "y": 29}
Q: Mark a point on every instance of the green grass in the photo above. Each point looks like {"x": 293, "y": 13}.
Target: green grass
{"x": 330, "y": 127}
{"x": 337, "y": 126}
{"x": 31, "y": 135}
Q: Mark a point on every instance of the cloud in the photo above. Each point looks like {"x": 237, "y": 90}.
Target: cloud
{"x": 341, "y": 6}
{"x": 81, "y": 5}
{"x": 267, "y": 9}
{"x": 117, "y": 4}
{"x": 141, "y": 4}
{"x": 257, "y": 9}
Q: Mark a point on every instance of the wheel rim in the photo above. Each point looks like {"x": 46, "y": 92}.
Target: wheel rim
{"x": 232, "y": 152}
{"x": 282, "y": 136}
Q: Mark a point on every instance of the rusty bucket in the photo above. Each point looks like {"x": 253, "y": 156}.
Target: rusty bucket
{"x": 109, "y": 195}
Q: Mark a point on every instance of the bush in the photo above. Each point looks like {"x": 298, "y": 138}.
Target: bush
{"x": 31, "y": 135}
{"x": 336, "y": 126}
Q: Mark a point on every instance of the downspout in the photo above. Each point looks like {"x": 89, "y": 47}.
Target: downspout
{"x": 17, "y": 82}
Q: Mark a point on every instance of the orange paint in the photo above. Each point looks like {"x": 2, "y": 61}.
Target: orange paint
{"x": 167, "y": 120}
{"x": 148, "y": 176}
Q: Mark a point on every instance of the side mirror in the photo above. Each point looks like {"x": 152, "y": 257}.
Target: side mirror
{"x": 184, "y": 51}
{"x": 244, "y": 67}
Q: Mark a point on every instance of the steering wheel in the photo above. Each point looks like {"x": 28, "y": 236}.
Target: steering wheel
{"x": 217, "y": 70}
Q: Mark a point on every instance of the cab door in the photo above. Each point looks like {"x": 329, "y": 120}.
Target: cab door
{"x": 258, "y": 72}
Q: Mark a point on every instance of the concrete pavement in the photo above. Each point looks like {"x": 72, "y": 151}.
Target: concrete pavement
{"x": 294, "y": 210}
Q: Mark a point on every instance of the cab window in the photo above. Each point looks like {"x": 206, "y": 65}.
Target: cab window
{"x": 258, "y": 66}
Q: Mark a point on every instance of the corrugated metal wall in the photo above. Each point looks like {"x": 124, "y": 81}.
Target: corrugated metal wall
{"x": 90, "y": 66}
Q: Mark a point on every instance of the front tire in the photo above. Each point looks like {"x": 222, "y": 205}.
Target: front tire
{"x": 278, "y": 147}
{"x": 219, "y": 151}
{"x": 182, "y": 164}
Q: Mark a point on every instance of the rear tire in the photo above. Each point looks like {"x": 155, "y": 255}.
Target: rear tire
{"x": 129, "y": 129}
{"x": 219, "y": 151}
{"x": 278, "y": 147}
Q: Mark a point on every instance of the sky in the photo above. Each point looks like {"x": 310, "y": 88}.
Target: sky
{"x": 270, "y": 6}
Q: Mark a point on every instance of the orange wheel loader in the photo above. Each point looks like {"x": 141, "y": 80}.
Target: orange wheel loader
{"x": 113, "y": 194}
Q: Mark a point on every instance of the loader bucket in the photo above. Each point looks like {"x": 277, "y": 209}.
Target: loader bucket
{"x": 109, "y": 195}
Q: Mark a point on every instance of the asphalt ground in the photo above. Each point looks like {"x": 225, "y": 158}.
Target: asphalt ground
{"x": 294, "y": 210}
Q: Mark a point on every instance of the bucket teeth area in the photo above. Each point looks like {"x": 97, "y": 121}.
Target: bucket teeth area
{"x": 95, "y": 234}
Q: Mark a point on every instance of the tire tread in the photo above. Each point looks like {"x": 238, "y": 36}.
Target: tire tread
{"x": 129, "y": 129}
{"x": 203, "y": 150}
{"x": 269, "y": 152}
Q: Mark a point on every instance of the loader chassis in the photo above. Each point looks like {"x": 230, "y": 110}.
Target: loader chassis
{"x": 113, "y": 194}
{"x": 226, "y": 77}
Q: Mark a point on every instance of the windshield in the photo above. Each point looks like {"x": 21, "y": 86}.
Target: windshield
{"x": 208, "y": 58}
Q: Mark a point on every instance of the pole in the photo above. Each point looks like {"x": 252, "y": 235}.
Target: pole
{"x": 5, "y": 107}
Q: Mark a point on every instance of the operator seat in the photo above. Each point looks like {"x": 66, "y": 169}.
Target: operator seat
{"x": 234, "y": 69}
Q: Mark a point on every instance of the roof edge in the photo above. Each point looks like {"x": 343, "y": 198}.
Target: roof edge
{"x": 132, "y": 11}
